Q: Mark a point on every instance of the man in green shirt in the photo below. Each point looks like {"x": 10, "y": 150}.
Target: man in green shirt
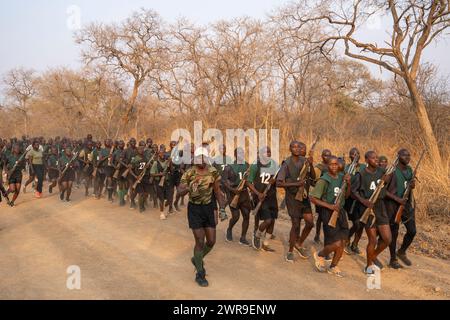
{"x": 35, "y": 157}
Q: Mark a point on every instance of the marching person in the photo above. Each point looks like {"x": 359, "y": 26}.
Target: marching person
{"x": 68, "y": 177}
{"x": 14, "y": 159}
{"x": 200, "y": 182}
{"x": 366, "y": 182}
{"x": 52, "y": 168}
{"x": 320, "y": 169}
{"x": 402, "y": 176}
{"x": 289, "y": 179}
{"x": 323, "y": 196}
{"x": 261, "y": 182}
{"x": 232, "y": 176}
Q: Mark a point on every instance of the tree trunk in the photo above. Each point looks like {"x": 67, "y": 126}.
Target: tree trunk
{"x": 425, "y": 124}
{"x": 130, "y": 106}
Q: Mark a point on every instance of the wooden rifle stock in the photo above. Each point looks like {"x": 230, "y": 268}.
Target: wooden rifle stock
{"x": 236, "y": 197}
{"x": 304, "y": 172}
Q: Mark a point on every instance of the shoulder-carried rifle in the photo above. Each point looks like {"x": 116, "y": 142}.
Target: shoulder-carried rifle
{"x": 111, "y": 151}
{"x": 66, "y": 167}
{"x": 300, "y": 195}
{"x": 144, "y": 171}
{"x": 235, "y": 200}
{"x": 351, "y": 170}
{"x": 406, "y": 195}
{"x": 265, "y": 192}
{"x": 166, "y": 169}
{"x": 97, "y": 165}
{"x": 374, "y": 197}
{"x": 10, "y": 172}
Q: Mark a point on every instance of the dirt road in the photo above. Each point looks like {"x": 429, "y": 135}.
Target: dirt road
{"x": 126, "y": 255}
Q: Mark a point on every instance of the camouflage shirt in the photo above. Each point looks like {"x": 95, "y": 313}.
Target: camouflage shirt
{"x": 200, "y": 185}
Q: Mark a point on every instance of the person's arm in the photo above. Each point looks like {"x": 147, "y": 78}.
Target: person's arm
{"x": 356, "y": 194}
{"x": 391, "y": 189}
{"x": 249, "y": 182}
{"x": 281, "y": 178}
{"x": 316, "y": 196}
{"x": 348, "y": 190}
{"x": 312, "y": 172}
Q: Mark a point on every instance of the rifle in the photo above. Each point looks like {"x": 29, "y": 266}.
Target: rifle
{"x": 406, "y": 195}
{"x": 235, "y": 201}
{"x": 66, "y": 167}
{"x": 266, "y": 190}
{"x": 166, "y": 169}
{"x": 374, "y": 197}
{"x": 97, "y": 165}
{"x": 144, "y": 171}
{"x": 117, "y": 169}
{"x": 111, "y": 151}
{"x": 10, "y": 172}
{"x": 304, "y": 172}
{"x": 351, "y": 171}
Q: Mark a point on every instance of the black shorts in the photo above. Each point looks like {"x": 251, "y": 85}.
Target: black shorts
{"x": 68, "y": 176}
{"x": 296, "y": 208}
{"x": 144, "y": 187}
{"x": 109, "y": 171}
{"x": 201, "y": 216}
{"x": 15, "y": 178}
{"x": 392, "y": 208}
{"x": 269, "y": 208}
{"x": 381, "y": 215}
{"x": 353, "y": 209}
{"x": 340, "y": 232}
{"x": 53, "y": 174}
{"x": 244, "y": 201}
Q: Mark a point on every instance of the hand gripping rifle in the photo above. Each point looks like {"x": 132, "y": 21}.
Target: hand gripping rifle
{"x": 374, "y": 197}
{"x": 304, "y": 173}
{"x": 406, "y": 195}
{"x": 166, "y": 169}
{"x": 351, "y": 171}
{"x": 13, "y": 169}
{"x": 111, "y": 151}
{"x": 235, "y": 201}
{"x": 266, "y": 191}
{"x": 144, "y": 171}
{"x": 66, "y": 167}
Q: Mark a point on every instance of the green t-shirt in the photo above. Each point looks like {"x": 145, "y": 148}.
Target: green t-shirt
{"x": 327, "y": 188}
{"x": 36, "y": 156}
{"x": 200, "y": 185}
{"x": 158, "y": 168}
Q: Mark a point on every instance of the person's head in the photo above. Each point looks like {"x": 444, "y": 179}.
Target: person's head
{"x": 371, "y": 159}
{"x": 264, "y": 155}
{"x": 149, "y": 142}
{"x": 341, "y": 164}
{"x": 132, "y": 143}
{"x": 333, "y": 165}
{"x": 16, "y": 148}
{"x": 382, "y": 161}
{"x": 161, "y": 154}
{"x": 24, "y": 138}
{"x": 98, "y": 144}
{"x": 294, "y": 148}
{"x": 89, "y": 145}
{"x": 353, "y": 153}
{"x": 162, "y": 148}
{"x": 36, "y": 145}
{"x": 223, "y": 150}
{"x": 155, "y": 147}
{"x": 108, "y": 143}
{"x": 54, "y": 150}
{"x": 121, "y": 144}
{"x": 172, "y": 144}
{"x": 239, "y": 154}
{"x": 141, "y": 143}
{"x": 201, "y": 155}
{"x": 89, "y": 137}
{"x": 326, "y": 153}
{"x": 302, "y": 149}
{"x": 404, "y": 157}
{"x": 141, "y": 149}
{"x": 68, "y": 151}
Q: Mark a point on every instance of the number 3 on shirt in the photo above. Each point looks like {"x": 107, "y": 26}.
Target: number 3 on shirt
{"x": 265, "y": 177}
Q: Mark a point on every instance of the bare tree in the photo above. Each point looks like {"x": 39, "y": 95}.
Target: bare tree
{"x": 135, "y": 48}
{"x": 415, "y": 24}
{"x": 20, "y": 89}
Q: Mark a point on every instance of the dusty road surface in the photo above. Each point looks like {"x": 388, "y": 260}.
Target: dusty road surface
{"x": 123, "y": 254}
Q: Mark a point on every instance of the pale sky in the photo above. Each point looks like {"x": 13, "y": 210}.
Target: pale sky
{"x": 34, "y": 33}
